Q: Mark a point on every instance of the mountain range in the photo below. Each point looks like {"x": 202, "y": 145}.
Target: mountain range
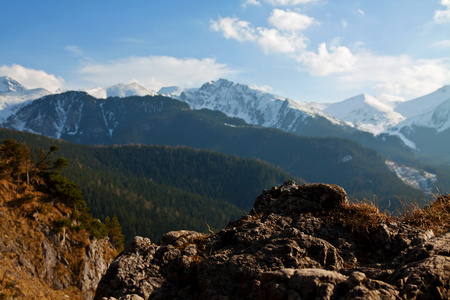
{"x": 384, "y": 116}
{"x": 387, "y": 124}
{"x": 422, "y": 124}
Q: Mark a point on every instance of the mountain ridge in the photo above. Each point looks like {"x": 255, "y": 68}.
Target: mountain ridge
{"x": 120, "y": 90}
{"x": 152, "y": 120}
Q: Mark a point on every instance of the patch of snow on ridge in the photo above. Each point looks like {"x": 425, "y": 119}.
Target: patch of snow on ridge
{"x": 121, "y": 90}
{"x": 418, "y": 179}
{"x": 171, "y": 91}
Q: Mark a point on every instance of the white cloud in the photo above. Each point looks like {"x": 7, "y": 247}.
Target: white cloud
{"x": 288, "y": 2}
{"x": 353, "y": 67}
{"x": 154, "y": 72}
{"x": 272, "y": 41}
{"x": 344, "y": 23}
{"x": 233, "y": 28}
{"x": 74, "y": 49}
{"x": 402, "y": 75}
{"x": 251, "y": 2}
{"x": 396, "y": 75}
{"x": 443, "y": 16}
{"x": 325, "y": 62}
{"x": 31, "y": 78}
{"x": 442, "y": 44}
{"x": 360, "y": 12}
{"x": 289, "y": 20}
{"x": 263, "y": 88}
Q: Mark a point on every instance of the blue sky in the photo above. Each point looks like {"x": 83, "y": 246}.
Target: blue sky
{"x": 306, "y": 50}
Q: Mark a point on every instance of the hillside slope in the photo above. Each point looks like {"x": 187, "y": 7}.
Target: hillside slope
{"x": 50, "y": 248}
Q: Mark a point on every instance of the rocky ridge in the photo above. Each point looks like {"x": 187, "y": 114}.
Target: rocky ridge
{"x": 298, "y": 242}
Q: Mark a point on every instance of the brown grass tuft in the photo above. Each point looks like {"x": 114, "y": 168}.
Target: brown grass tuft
{"x": 435, "y": 216}
{"x": 359, "y": 216}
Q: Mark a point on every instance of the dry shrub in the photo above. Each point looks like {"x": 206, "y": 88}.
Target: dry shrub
{"x": 435, "y": 216}
{"x": 359, "y": 216}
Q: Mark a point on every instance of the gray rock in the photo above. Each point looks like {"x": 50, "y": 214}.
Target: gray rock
{"x": 94, "y": 268}
{"x": 286, "y": 248}
{"x": 425, "y": 271}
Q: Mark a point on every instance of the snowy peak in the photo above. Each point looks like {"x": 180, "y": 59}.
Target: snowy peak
{"x": 12, "y": 93}
{"x": 171, "y": 91}
{"x": 121, "y": 90}
{"x": 438, "y": 118}
{"x": 260, "y": 108}
{"x": 9, "y": 85}
{"x": 424, "y": 104}
{"x": 366, "y": 112}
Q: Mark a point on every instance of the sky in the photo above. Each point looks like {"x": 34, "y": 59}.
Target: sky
{"x": 305, "y": 50}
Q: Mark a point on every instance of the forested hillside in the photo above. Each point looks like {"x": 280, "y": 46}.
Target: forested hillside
{"x": 155, "y": 189}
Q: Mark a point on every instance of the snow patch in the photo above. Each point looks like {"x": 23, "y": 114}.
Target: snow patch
{"x": 347, "y": 158}
{"x": 121, "y": 90}
{"x": 416, "y": 178}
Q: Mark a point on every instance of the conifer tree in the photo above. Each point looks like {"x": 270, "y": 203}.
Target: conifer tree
{"x": 115, "y": 232}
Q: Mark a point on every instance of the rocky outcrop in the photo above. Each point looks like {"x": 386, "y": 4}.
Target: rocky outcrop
{"x": 40, "y": 262}
{"x": 299, "y": 242}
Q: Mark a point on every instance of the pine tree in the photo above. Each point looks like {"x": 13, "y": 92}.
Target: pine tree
{"x": 115, "y": 232}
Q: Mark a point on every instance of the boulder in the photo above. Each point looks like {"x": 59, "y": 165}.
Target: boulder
{"x": 288, "y": 247}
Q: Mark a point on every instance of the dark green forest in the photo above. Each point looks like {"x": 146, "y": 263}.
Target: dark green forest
{"x": 156, "y": 189}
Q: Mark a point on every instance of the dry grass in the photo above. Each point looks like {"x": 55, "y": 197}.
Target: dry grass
{"x": 20, "y": 215}
{"x": 361, "y": 216}
{"x": 435, "y": 216}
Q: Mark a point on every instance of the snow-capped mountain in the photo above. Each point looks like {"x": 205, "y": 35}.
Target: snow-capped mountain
{"x": 438, "y": 118}
{"x": 267, "y": 110}
{"x": 120, "y": 90}
{"x": 257, "y": 107}
{"x": 427, "y": 129}
{"x": 77, "y": 116}
{"x": 9, "y": 85}
{"x": 171, "y": 91}
{"x": 424, "y": 104}
{"x": 13, "y": 94}
{"x": 367, "y": 113}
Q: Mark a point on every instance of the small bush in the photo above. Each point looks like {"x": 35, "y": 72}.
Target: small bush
{"x": 60, "y": 223}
